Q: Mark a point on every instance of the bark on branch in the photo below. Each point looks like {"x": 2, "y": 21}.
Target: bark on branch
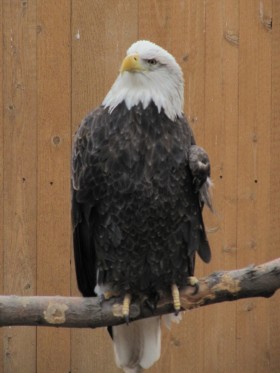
{"x": 77, "y": 312}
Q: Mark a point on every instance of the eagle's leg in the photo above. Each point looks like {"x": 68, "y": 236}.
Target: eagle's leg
{"x": 176, "y": 298}
{"x": 110, "y": 294}
{"x": 194, "y": 282}
{"x": 125, "y": 307}
{"x": 106, "y": 295}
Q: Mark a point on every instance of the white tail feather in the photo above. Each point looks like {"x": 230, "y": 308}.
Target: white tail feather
{"x": 171, "y": 318}
{"x": 133, "y": 370}
{"x": 137, "y": 345}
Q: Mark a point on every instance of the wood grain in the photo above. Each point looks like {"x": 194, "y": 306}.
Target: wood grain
{"x": 54, "y": 148}
{"x": 20, "y": 189}
{"x": 246, "y": 244}
{"x": 254, "y": 174}
{"x": 194, "y": 69}
{"x": 274, "y": 239}
{"x": 214, "y": 132}
{"x": 262, "y": 179}
{"x": 226, "y": 178}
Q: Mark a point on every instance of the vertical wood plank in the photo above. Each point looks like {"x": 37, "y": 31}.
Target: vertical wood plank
{"x": 54, "y": 138}
{"x": 194, "y": 71}
{"x": 213, "y": 132}
{"x": 275, "y": 133}
{"x": 100, "y": 38}
{"x": 223, "y": 123}
{"x": 228, "y": 172}
{"x": 228, "y": 245}
{"x": 263, "y": 172}
{"x": 274, "y": 241}
{"x": 220, "y": 133}
{"x": 254, "y": 176}
{"x": 154, "y": 22}
{"x": 247, "y": 220}
{"x": 19, "y": 121}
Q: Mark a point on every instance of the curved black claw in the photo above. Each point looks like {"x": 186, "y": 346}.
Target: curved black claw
{"x": 126, "y": 318}
{"x": 176, "y": 312}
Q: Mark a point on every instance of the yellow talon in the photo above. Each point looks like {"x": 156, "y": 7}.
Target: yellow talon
{"x": 176, "y": 298}
{"x": 125, "y": 307}
{"x": 110, "y": 294}
{"x": 194, "y": 282}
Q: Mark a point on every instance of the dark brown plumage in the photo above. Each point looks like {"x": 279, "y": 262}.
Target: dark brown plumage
{"x": 136, "y": 212}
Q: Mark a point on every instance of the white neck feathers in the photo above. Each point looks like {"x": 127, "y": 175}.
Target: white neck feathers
{"x": 135, "y": 88}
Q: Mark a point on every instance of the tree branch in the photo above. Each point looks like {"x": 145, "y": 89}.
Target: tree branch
{"x": 77, "y": 312}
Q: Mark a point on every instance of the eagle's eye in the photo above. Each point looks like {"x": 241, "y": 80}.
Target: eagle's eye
{"x": 152, "y": 61}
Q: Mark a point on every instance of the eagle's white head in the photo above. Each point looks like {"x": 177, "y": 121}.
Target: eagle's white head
{"x": 148, "y": 73}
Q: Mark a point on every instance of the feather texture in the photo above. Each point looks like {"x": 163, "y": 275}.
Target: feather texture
{"x": 136, "y": 214}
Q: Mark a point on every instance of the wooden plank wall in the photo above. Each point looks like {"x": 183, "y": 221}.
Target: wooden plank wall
{"x": 58, "y": 59}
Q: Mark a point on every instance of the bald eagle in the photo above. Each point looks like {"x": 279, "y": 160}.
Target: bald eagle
{"x": 139, "y": 183}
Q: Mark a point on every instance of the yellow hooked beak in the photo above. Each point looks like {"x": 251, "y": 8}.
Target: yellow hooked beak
{"x": 132, "y": 64}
